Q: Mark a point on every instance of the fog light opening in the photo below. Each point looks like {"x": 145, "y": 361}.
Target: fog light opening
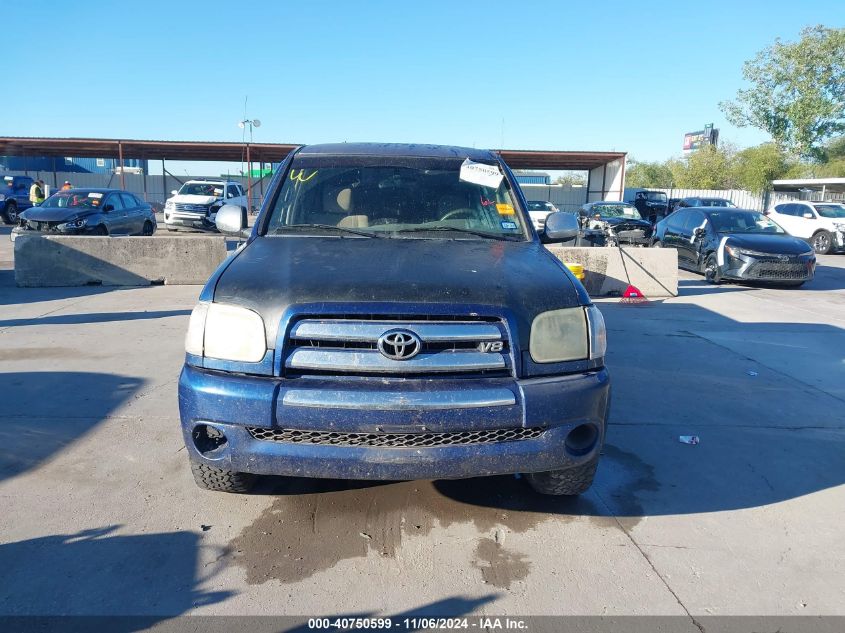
{"x": 209, "y": 441}
{"x": 582, "y": 439}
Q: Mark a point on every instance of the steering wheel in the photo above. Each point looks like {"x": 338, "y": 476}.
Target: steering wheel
{"x": 454, "y": 213}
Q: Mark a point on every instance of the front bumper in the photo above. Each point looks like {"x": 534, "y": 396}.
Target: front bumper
{"x": 232, "y": 403}
{"x": 199, "y": 221}
{"x": 769, "y": 268}
{"x": 18, "y": 230}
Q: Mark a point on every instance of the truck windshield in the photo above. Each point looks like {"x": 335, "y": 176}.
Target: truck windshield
{"x": 396, "y": 197}
{"x": 201, "y": 189}
{"x": 656, "y": 196}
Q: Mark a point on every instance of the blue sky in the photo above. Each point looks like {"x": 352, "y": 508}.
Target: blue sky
{"x": 630, "y": 76}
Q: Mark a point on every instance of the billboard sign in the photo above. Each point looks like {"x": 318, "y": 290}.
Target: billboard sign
{"x": 696, "y": 140}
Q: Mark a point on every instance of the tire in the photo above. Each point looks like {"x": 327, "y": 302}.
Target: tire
{"x": 570, "y": 481}
{"x": 219, "y": 480}
{"x": 657, "y": 244}
{"x": 10, "y": 213}
{"x": 822, "y": 242}
{"x": 101, "y": 230}
{"x": 711, "y": 270}
{"x": 147, "y": 229}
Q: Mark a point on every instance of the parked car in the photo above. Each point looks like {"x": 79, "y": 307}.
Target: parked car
{"x": 196, "y": 203}
{"x": 705, "y": 202}
{"x": 14, "y": 197}
{"x": 610, "y": 223}
{"x": 393, "y": 315}
{"x": 539, "y": 210}
{"x": 89, "y": 212}
{"x": 821, "y": 224}
{"x": 736, "y": 244}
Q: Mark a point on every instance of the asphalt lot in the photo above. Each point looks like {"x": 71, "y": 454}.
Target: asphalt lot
{"x": 101, "y": 515}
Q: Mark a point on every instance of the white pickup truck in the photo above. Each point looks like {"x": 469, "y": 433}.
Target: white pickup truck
{"x": 196, "y": 203}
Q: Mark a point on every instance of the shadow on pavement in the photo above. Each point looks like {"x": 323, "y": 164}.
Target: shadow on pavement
{"x": 101, "y": 572}
{"x": 93, "y": 317}
{"x": 45, "y": 412}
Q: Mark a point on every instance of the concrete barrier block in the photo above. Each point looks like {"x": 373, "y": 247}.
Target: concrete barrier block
{"x": 116, "y": 261}
{"x": 607, "y": 270}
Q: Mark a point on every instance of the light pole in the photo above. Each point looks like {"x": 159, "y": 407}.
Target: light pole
{"x": 251, "y": 123}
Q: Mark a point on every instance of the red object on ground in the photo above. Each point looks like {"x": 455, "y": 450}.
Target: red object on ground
{"x": 632, "y": 294}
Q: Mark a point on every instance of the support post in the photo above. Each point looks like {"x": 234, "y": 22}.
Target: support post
{"x": 120, "y": 154}
{"x": 163, "y": 182}
{"x": 248, "y": 181}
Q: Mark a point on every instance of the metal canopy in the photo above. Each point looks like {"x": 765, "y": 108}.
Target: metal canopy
{"x": 260, "y": 152}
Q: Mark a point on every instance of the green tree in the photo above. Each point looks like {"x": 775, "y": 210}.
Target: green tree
{"x": 756, "y": 167}
{"x": 707, "y": 168}
{"x": 646, "y": 174}
{"x": 797, "y": 91}
{"x": 571, "y": 179}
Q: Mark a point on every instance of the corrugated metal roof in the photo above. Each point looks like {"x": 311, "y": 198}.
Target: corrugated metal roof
{"x": 259, "y": 152}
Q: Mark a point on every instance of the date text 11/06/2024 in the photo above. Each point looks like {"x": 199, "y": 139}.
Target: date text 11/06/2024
{"x": 481, "y": 623}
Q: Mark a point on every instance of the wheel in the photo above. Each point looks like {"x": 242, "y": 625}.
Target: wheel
{"x": 821, "y": 242}
{"x": 101, "y": 230}
{"x": 10, "y": 214}
{"x": 148, "y": 228}
{"x": 211, "y": 478}
{"x": 711, "y": 270}
{"x": 570, "y": 481}
{"x": 657, "y": 244}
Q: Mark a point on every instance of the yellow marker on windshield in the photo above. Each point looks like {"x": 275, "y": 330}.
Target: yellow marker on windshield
{"x": 505, "y": 209}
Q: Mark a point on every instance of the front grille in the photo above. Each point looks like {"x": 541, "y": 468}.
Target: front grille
{"x": 777, "y": 270}
{"x": 394, "y": 440}
{"x": 349, "y": 346}
{"x": 45, "y": 226}
{"x": 191, "y": 208}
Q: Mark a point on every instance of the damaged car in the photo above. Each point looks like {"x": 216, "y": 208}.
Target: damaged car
{"x": 609, "y": 223}
{"x": 724, "y": 243}
{"x": 393, "y": 315}
{"x": 88, "y": 212}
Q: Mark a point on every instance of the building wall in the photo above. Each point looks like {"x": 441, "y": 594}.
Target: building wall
{"x": 69, "y": 164}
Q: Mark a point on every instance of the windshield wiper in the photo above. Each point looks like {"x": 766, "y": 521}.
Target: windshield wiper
{"x": 490, "y": 236}
{"x": 332, "y": 227}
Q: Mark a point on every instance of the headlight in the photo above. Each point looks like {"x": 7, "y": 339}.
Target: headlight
{"x": 2, "y": 197}
{"x": 226, "y": 332}
{"x": 568, "y": 334}
{"x": 168, "y": 204}
{"x": 75, "y": 224}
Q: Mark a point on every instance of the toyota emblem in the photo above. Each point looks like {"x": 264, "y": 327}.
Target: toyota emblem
{"x": 399, "y": 344}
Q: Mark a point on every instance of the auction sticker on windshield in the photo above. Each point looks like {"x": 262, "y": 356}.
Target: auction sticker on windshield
{"x": 481, "y": 174}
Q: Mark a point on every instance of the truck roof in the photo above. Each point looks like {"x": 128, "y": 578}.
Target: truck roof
{"x": 397, "y": 149}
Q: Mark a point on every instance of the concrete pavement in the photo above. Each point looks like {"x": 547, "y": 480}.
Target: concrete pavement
{"x": 101, "y": 516}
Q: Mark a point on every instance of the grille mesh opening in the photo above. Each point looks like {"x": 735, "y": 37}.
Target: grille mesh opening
{"x": 394, "y": 440}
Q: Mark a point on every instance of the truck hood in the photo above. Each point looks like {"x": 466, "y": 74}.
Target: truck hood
{"x": 192, "y": 199}
{"x": 273, "y": 273}
{"x": 774, "y": 244}
{"x": 55, "y": 214}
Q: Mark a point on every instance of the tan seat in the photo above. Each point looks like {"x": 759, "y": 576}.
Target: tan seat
{"x": 355, "y": 221}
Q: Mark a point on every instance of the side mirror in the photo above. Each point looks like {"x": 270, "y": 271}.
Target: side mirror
{"x": 561, "y": 226}
{"x": 174, "y": 192}
{"x": 700, "y": 232}
{"x": 808, "y": 215}
{"x": 108, "y": 207}
{"x": 231, "y": 220}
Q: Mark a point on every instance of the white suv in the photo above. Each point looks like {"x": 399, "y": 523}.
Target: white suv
{"x": 196, "y": 203}
{"x": 822, "y": 224}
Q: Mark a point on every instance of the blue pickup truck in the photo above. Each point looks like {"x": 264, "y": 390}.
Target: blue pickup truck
{"x": 14, "y": 197}
{"x": 393, "y": 315}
